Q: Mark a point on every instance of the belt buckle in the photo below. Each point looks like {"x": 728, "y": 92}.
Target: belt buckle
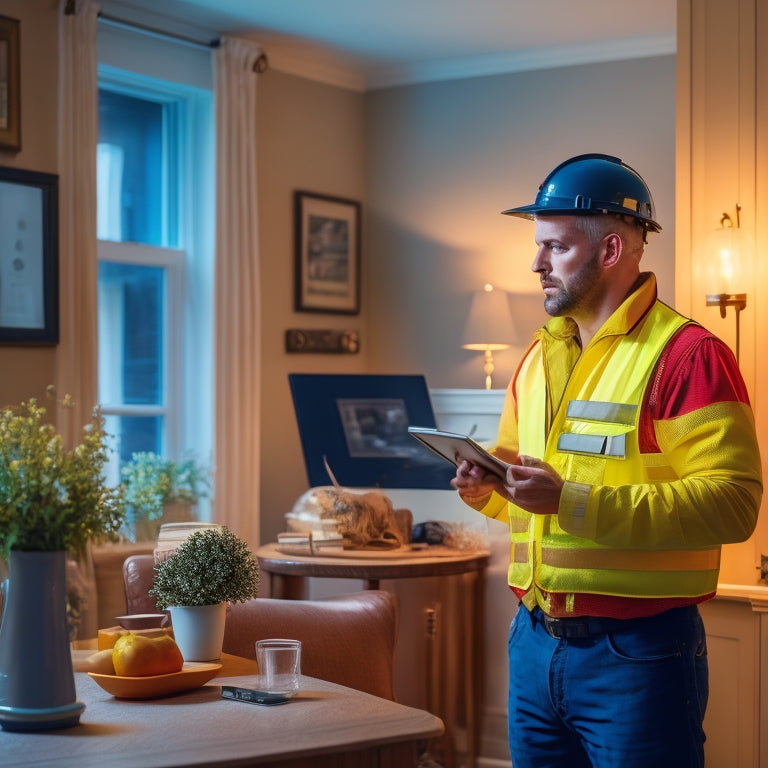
{"x": 566, "y": 629}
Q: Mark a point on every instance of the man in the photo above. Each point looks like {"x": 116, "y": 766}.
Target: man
{"x": 634, "y": 458}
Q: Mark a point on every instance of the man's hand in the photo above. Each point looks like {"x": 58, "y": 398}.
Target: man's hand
{"x": 534, "y": 486}
{"x": 473, "y": 482}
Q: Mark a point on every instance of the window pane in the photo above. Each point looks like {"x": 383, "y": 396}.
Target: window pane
{"x": 129, "y": 435}
{"x": 131, "y": 169}
{"x": 136, "y": 434}
{"x": 131, "y": 312}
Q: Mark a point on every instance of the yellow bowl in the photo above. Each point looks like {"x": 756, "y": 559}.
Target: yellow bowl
{"x": 193, "y": 674}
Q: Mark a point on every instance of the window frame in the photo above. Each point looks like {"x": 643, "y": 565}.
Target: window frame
{"x": 173, "y": 261}
{"x": 137, "y": 66}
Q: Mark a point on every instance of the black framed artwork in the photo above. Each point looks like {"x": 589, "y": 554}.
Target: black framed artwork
{"x": 358, "y": 423}
{"x": 327, "y": 254}
{"x": 29, "y": 257}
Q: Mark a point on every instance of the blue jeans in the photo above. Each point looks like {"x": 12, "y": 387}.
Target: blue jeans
{"x": 628, "y": 699}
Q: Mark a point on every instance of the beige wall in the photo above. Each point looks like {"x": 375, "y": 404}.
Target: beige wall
{"x": 25, "y": 371}
{"x": 432, "y": 165}
{"x": 444, "y": 159}
{"x": 311, "y": 139}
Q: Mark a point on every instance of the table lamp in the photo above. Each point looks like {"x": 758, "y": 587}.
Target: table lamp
{"x": 489, "y": 326}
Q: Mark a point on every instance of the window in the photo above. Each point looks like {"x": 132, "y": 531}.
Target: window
{"x": 155, "y": 230}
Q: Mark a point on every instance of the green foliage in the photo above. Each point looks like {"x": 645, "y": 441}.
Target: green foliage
{"x": 210, "y": 566}
{"x": 52, "y": 498}
{"x": 151, "y": 482}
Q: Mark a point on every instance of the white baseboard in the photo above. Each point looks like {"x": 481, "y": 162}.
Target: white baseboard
{"x": 492, "y": 762}
{"x": 494, "y": 745}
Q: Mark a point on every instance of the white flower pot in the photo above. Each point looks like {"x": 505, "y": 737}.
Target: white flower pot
{"x": 199, "y": 630}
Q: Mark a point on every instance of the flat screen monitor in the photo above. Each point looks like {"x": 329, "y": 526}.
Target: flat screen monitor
{"x": 359, "y": 424}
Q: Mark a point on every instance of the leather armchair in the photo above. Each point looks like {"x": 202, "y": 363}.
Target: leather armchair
{"x": 138, "y": 577}
{"x": 349, "y": 639}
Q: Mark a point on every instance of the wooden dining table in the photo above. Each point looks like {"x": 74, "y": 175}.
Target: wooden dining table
{"x": 324, "y": 726}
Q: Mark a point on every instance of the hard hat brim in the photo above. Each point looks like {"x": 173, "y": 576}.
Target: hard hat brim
{"x": 531, "y": 211}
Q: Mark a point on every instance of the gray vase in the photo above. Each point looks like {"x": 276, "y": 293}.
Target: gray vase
{"x": 37, "y": 683}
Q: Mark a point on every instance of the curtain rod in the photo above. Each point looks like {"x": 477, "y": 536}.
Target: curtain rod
{"x": 259, "y": 66}
{"x": 122, "y": 23}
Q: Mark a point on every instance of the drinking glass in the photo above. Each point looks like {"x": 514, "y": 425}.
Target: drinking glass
{"x": 279, "y": 663}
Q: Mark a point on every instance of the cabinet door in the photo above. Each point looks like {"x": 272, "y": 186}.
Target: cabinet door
{"x": 763, "y": 731}
{"x": 731, "y": 721}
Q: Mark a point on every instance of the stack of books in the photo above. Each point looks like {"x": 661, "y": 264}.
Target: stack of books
{"x": 309, "y": 542}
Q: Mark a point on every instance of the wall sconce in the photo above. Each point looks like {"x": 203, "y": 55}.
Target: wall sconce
{"x": 728, "y": 254}
{"x": 489, "y": 326}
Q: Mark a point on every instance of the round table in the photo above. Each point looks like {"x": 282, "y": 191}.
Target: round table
{"x": 286, "y": 580}
{"x": 288, "y": 571}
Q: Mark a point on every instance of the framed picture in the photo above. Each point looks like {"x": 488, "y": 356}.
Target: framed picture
{"x": 10, "y": 132}
{"x": 29, "y": 257}
{"x": 359, "y": 424}
{"x": 327, "y": 242}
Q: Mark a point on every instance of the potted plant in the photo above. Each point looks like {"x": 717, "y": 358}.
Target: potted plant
{"x": 210, "y": 568}
{"x": 160, "y": 490}
{"x": 53, "y": 499}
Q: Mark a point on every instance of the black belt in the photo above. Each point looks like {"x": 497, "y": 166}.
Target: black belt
{"x": 585, "y": 627}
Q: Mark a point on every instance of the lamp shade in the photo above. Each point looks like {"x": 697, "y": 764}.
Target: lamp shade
{"x": 489, "y": 324}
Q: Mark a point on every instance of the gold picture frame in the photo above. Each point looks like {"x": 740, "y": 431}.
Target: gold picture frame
{"x": 10, "y": 101}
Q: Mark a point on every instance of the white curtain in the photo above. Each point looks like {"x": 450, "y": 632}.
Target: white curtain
{"x": 76, "y": 354}
{"x": 237, "y": 315}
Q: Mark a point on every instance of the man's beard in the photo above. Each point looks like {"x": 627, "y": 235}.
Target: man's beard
{"x": 581, "y": 288}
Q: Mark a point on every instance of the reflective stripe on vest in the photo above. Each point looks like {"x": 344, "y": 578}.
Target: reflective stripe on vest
{"x": 603, "y": 443}
{"x": 594, "y": 441}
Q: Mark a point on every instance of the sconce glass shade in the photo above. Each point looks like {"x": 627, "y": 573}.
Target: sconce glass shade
{"x": 728, "y": 256}
{"x": 489, "y": 326}
{"x": 727, "y": 270}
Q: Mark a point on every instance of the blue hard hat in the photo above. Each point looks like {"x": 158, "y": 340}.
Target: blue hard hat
{"x": 593, "y": 184}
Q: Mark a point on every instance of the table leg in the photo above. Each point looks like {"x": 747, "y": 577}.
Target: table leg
{"x": 286, "y": 587}
{"x": 473, "y": 670}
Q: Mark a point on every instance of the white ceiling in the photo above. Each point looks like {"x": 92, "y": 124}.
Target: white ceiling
{"x": 364, "y": 44}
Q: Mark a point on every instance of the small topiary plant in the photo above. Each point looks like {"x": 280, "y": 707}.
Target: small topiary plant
{"x": 210, "y": 566}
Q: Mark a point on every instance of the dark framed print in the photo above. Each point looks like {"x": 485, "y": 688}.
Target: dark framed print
{"x": 327, "y": 241}
{"x": 10, "y": 131}
{"x": 29, "y": 257}
{"x": 358, "y": 424}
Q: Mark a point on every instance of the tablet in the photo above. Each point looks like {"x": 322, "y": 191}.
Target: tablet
{"x": 455, "y": 448}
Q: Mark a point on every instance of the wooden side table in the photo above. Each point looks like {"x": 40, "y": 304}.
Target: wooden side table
{"x": 287, "y": 574}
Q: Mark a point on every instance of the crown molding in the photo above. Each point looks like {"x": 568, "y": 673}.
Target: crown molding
{"x": 313, "y": 61}
{"x": 334, "y": 70}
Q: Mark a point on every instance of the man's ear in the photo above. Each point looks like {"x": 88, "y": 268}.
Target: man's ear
{"x": 612, "y": 248}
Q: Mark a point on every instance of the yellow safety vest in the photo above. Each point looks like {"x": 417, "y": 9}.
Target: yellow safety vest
{"x": 592, "y": 439}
